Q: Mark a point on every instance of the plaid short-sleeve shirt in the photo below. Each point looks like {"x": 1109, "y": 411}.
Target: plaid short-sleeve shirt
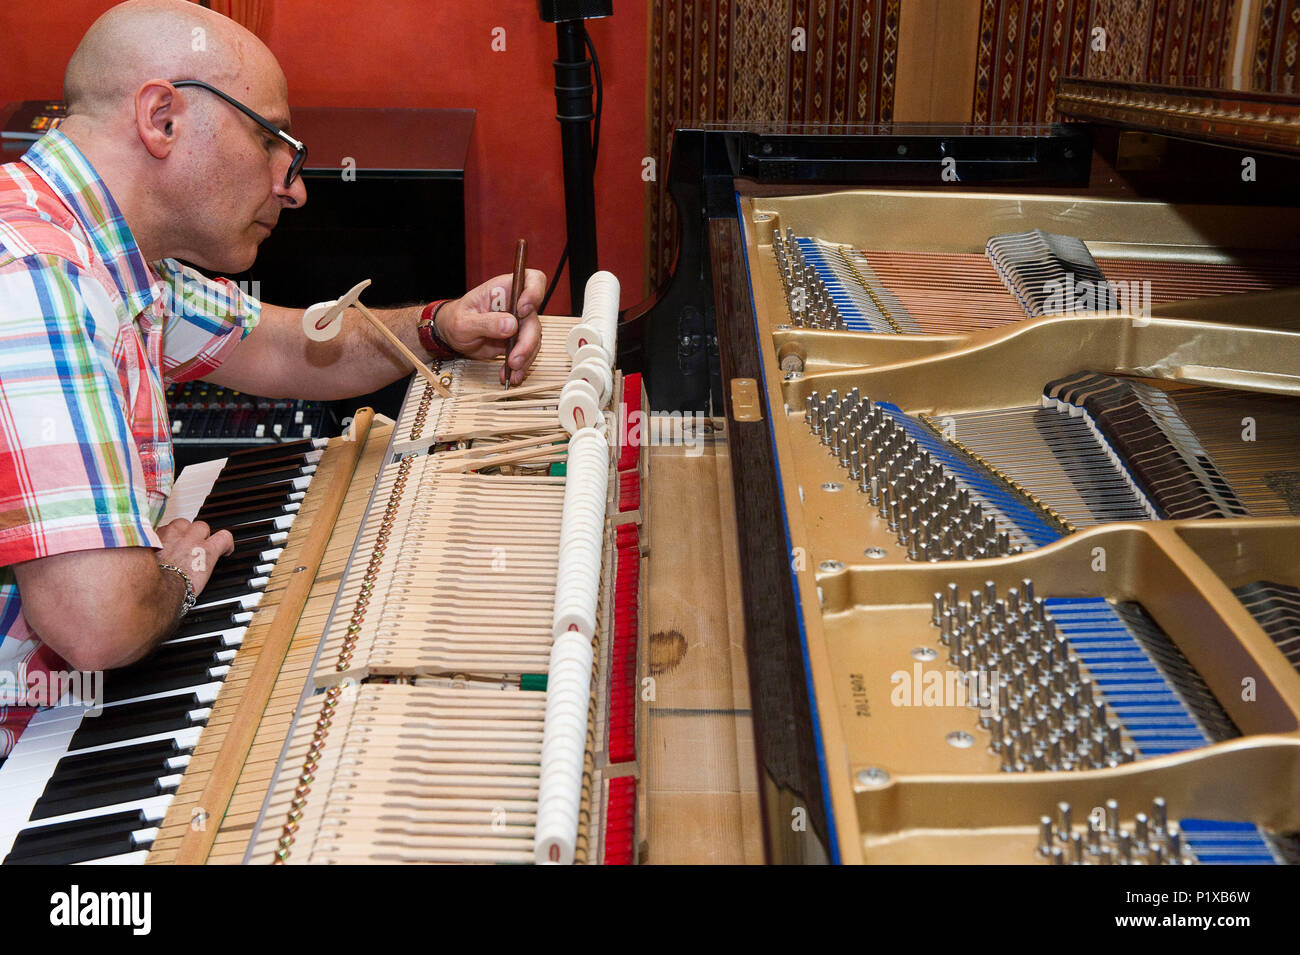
{"x": 90, "y": 334}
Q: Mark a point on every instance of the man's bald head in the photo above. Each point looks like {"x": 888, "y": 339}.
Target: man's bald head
{"x": 158, "y": 39}
{"x": 196, "y": 178}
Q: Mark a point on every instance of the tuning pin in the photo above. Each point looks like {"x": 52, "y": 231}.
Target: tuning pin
{"x": 1046, "y": 835}
{"x": 1140, "y": 829}
{"x": 1027, "y": 589}
{"x": 1125, "y": 842}
{"x": 1064, "y": 823}
{"x": 1112, "y": 817}
{"x": 1174, "y": 843}
{"x": 1159, "y": 815}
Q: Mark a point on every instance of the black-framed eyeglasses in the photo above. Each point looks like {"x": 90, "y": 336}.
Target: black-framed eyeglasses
{"x": 299, "y": 150}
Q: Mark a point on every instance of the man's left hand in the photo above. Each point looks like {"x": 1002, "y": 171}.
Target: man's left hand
{"x": 478, "y": 324}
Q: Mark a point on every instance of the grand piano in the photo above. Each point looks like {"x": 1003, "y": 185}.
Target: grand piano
{"x": 1010, "y": 416}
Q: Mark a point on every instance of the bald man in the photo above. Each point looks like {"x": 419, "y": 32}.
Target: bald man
{"x": 176, "y": 147}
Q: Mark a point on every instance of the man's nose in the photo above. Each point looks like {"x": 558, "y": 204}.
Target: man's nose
{"x": 292, "y": 196}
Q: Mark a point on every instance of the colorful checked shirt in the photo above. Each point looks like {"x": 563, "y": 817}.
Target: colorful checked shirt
{"x": 90, "y": 334}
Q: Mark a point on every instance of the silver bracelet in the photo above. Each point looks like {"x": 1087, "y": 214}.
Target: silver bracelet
{"x": 190, "y": 597}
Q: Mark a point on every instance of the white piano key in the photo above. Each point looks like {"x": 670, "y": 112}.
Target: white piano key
{"x": 185, "y": 738}
{"x": 51, "y": 749}
{"x": 205, "y": 692}
{"x": 230, "y": 637}
{"x": 248, "y": 602}
{"x": 153, "y": 807}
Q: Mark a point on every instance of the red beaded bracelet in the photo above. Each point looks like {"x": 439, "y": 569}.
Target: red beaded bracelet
{"x": 430, "y": 340}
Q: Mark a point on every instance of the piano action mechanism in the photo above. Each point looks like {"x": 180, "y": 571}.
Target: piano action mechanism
{"x": 441, "y": 664}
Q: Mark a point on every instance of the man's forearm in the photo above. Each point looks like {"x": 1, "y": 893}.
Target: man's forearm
{"x": 158, "y": 613}
{"x": 278, "y": 360}
{"x": 122, "y": 605}
{"x": 359, "y": 359}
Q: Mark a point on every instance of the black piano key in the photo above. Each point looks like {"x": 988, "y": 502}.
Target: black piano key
{"x": 247, "y": 455}
{"x": 203, "y": 625}
{"x": 122, "y": 759}
{"x": 228, "y": 572}
{"x": 222, "y": 591}
{"x": 242, "y": 481}
{"x": 238, "y": 578}
{"x": 280, "y": 462}
{"x": 127, "y": 787}
{"x": 188, "y": 673}
{"x": 167, "y": 653}
{"x": 133, "y": 771}
{"x": 233, "y": 517}
{"x": 177, "y": 676}
{"x": 253, "y": 497}
{"x": 260, "y": 530}
{"x": 115, "y": 724}
{"x": 268, "y": 494}
{"x": 198, "y": 629}
{"x": 238, "y": 495}
{"x": 240, "y": 525}
{"x": 253, "y": 551}
{"x": 65, "y": 843}
{"x": 220, "y": 611}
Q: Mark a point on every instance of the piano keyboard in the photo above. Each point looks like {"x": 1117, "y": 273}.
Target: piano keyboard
{"x": 82, "y": 788}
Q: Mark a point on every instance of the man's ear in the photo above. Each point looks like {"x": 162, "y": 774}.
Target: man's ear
{"x": 157, "y": 109}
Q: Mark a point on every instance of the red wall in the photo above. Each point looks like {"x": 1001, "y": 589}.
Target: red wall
{"x": 435, "y": 53}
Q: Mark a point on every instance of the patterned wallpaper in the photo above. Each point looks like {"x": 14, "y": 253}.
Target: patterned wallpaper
{"x": 761, "y": 61}
{"x": 740, "y": 61}
{"x": 1274, "y": 61}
